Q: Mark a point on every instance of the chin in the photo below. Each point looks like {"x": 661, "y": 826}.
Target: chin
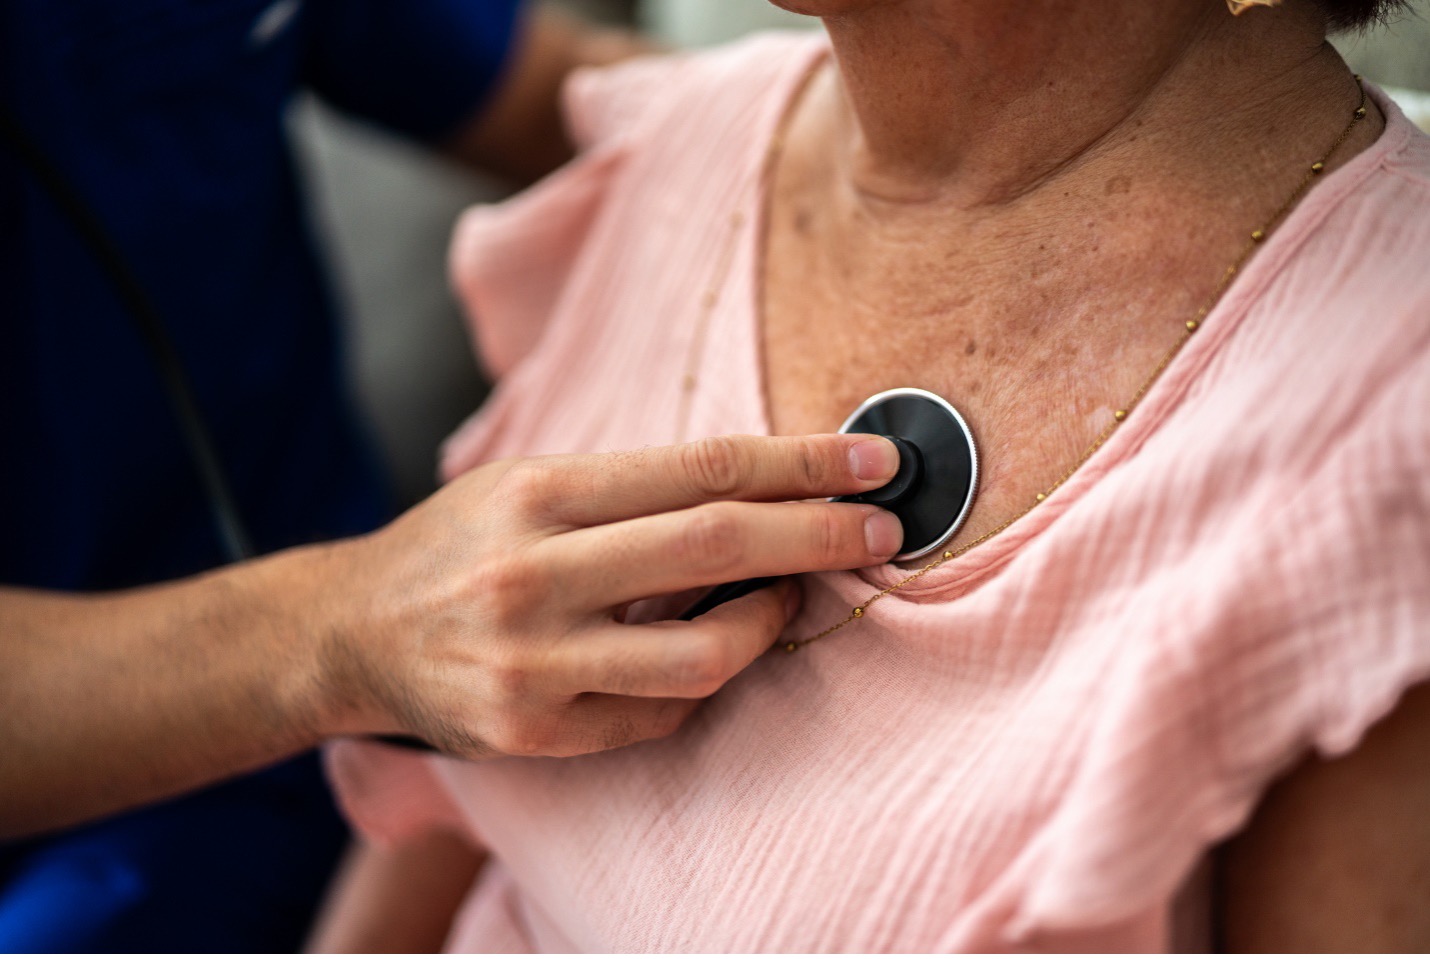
{"x": 826, "y": 8}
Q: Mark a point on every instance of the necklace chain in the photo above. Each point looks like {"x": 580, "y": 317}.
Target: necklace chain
{"x": 1120, "y": 416}
{"x": 1189, "y": 329}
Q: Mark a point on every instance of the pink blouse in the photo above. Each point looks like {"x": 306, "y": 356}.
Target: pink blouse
{"x": 1036, "y": 745}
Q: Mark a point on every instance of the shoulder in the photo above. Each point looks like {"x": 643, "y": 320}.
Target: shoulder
{"x": 1336, "y": 337}
{"x": 1376, "y": 224}
{"x": 693, "y": 90}
{"x": 1410, "y": 157}
{"x": 665, "y": 142}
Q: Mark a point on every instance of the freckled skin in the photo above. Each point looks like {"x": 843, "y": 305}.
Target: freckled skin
{"x": 1034, "y": 328}
{"x": 1032, "y": 258}
{"x": 1008, "y": 228}
{"x": 1037, "y": 306}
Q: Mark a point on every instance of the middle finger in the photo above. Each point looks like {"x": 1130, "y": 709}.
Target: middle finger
{"x": 603, "y": 566}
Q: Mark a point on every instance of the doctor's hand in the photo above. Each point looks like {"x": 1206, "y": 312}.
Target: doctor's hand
{"x": 489, "y": 620}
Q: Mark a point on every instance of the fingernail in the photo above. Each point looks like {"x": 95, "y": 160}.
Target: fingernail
{"x": 883, "y": 533}
{"x": 874, "y": 459}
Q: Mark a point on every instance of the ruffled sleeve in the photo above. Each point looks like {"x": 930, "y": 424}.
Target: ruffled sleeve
{"x": 605, "y": 104}
{"x": 1191, "y": 733}
{"x": 509, "y": 262}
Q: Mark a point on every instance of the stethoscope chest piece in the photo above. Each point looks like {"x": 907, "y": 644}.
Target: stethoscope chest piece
{"x": 938, "y": 465}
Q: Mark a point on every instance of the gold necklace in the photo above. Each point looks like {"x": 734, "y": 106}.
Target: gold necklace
{"x": 711, "y": 298}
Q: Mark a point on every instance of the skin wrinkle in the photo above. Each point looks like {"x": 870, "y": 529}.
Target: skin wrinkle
{"x": 1059, "y": 296}
{"x": 936, "y": 153}
{"x": 1069, "y": 252}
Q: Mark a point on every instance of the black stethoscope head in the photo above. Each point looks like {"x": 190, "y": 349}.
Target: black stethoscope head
{"x": 933, "y": 490}
{"x": 930, "y": 494}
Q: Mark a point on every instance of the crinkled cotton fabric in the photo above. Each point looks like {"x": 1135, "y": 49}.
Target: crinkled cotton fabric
{"x": 1035, "y": 745}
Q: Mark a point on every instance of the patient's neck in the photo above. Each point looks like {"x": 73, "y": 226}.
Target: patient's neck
{"x": 985, "y": 101}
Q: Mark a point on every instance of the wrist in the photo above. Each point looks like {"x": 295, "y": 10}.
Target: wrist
{"x": 319, "y": 617}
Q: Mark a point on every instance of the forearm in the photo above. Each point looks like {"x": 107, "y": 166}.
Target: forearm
{"x": 520, "y": 133}
{"x": 113, "y": 700}
{"x": 486, "y": 621}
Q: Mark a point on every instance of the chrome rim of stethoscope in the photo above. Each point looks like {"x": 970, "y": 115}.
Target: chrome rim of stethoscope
{"x": 934, "y": 511}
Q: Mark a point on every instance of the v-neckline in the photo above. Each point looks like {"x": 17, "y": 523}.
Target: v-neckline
{"x": 1160, "y": 401}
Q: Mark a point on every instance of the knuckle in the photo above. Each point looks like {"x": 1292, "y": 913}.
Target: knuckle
{"x": 526, "y": 487}
{"x": 624, "y": 669}
{"x": 816, "y": 468}
{"x": 512, "y": 588}
{"x": 828, "y": 535}
{"x": 717, "y": 465}
{"x": 510, "y": 678}
{"x": 713, "y": 539}
{"x": 767, "y": 619}
{"x": 705, "y": 666}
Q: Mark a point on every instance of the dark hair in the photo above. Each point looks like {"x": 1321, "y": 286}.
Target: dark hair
{"x": 1354, "y": 14}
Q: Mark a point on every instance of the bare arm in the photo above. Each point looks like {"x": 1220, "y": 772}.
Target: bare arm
{"x": 1337, "y": 858}
{"x": 396, "y": 900}
{"x": 114, "y": 700}
{"x": 487, "y": 620}
{"x": 519, "y": 132}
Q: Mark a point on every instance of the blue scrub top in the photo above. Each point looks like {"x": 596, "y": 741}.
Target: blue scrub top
{"x": 168, "y": 117}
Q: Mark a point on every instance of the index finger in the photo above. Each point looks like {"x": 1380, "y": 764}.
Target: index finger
{"x": 608, "y": 487}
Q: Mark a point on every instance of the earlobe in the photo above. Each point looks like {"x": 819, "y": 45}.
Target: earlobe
{"x": 1238, "y": 7}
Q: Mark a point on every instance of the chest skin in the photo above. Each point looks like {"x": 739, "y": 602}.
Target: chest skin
{"x": 1037, "y": 318}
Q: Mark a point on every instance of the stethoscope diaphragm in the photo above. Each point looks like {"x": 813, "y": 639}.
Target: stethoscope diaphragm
{"x": 938, "y": 465}
{"x": 932, "y": 491}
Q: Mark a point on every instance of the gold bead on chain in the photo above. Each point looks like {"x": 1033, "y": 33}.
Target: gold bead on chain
{"x": 1121, "y": 415}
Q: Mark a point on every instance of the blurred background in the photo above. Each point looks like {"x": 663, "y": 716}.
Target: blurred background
{"x": 385, "y": 211}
